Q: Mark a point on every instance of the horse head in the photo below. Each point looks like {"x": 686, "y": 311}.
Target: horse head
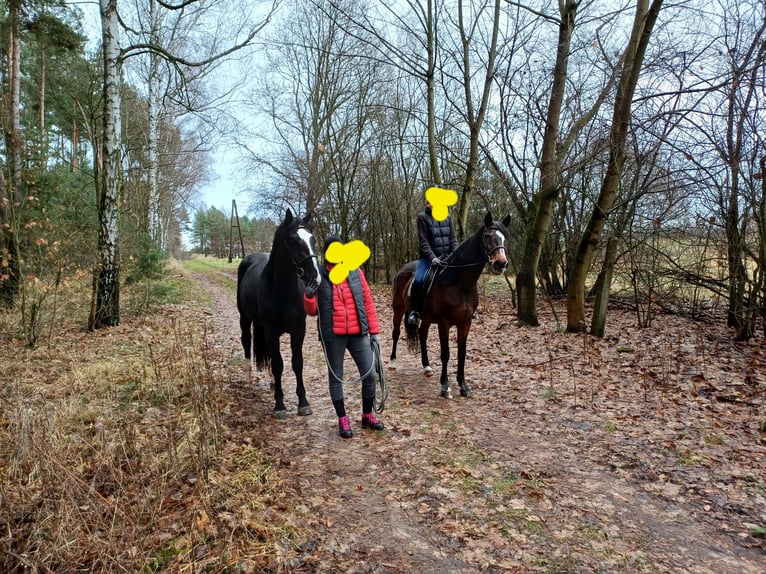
{"x": 299, "y": 243}
{"x": 495, "y": 236}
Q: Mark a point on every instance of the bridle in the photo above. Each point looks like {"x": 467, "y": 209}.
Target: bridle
{"x": 488, "y": 233}
{"x": 299, "y": 263}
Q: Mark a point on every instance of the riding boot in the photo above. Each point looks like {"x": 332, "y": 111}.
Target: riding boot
{"x": 414, "y": 317}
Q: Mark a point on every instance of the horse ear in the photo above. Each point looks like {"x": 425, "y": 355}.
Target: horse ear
{"x": 507, "y": 220}
{"x": 288, "y": 215}
{"x": 306, "y": 219}
{"x": 488, "y": 219}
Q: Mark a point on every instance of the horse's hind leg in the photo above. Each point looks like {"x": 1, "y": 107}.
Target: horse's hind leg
{"x": 399, "y": 309}
{"x": 246, "y": 338}
{"x": 296, "y": 347}
{"x": 446, "y": 392}
{"x": 395, "y": 337}
{"x": 423, "y": 335}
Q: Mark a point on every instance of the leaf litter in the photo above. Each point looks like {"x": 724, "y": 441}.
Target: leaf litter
{"x": 644, "y": 451}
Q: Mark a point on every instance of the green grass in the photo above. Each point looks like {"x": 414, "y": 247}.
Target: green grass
{"x": 210, "y": 264}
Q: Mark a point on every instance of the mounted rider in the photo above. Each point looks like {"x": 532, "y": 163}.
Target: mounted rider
{"x": 436, "y": 241}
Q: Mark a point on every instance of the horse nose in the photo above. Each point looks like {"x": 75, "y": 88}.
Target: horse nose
{"x": 499, "y": 266}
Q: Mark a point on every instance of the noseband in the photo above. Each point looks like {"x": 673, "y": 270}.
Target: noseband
{"x": 490, "y": 233}
{"x": 299, "y": 264}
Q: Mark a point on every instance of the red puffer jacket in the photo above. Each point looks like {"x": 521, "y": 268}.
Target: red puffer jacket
{"x": 345, "y": 318}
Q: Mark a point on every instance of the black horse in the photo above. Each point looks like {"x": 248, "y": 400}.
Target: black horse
{"x": 270, "y": 301}
{"x": 451, "y": 297}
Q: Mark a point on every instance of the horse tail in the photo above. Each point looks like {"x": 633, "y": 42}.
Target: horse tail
{"x": 260, "y": 350}
{"x": 413, "y": 340}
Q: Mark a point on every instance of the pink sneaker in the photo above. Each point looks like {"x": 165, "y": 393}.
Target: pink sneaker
{"x": 369, "y": 421}
{"x": 344, "y": 427}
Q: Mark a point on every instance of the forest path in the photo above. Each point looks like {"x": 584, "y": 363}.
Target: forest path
{"x": 572, "y": 456}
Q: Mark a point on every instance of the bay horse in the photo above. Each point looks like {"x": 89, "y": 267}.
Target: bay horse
{"x": 450, "y": 297}
{"x": 270, "y": 302}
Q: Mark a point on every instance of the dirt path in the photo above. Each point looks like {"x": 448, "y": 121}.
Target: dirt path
{"x": 572, "y": 456}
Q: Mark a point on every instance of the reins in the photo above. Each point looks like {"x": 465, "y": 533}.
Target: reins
{"x": 487, "y": 254}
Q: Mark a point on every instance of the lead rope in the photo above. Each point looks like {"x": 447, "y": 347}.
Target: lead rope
{"x": 376, "y": 364}
{"x": 379, "y": 403}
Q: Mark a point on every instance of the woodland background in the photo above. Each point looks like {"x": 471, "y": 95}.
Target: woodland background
{"x": 625, "y": 138}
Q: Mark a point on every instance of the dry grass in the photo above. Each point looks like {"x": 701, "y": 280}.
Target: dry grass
{"x": 110, "y": 449}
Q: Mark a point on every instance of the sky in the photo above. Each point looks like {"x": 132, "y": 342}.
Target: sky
{"x": 224, "y": 183}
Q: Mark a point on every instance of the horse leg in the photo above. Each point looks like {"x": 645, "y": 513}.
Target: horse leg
{"x": 395, "y": 336}
{"x": 399, "y": 309}
{"x": 444, "y": 356}
{"x": 277, "y": 368}
{"x": 423, "y": 333}
{"x": 296, "y": 346}
{"x": 462, "y": 340}
{"x": 246, "y": 338}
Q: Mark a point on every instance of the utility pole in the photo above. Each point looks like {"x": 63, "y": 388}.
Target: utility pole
{"x": 235, "y": 217}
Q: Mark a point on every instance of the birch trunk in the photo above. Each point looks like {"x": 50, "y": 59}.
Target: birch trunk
{"x": 105, "y": 307}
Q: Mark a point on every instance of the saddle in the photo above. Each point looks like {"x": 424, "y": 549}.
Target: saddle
{"x": 428, "y": 281}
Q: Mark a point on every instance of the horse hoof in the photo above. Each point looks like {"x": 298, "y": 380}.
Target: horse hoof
{"x": 392, "y": 366}
{"x": 279, "y": 415}
{"x": 428, "y": 371}
{"x": 304, "y": 411}
{"x": 446, "y": 393}
{"x": 466, "y": 392}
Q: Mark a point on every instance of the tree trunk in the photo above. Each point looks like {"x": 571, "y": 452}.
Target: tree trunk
{"x": 10, "y": 280}
{"x": 430, "y": 96}
{"x": 603, "y": 286}
{"x": 631, "y": 67}
{"x": 541, "y": 210}
{"x": 154, "y": 227}
{"x": 105, "y": 309}
{"x": 475, "y": 118}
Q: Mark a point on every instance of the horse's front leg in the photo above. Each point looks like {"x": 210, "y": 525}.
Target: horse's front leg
{"x": 296, "y": 347}
{"x": 444, "y": 356}
{"x": 423, "y": 335}
{"x": 277, "y": 368}
{"x": 462, "y": 340}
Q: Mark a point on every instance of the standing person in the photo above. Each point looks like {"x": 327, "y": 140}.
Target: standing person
{"x": 436, "y": 241}
{"x": 347, "y": 320}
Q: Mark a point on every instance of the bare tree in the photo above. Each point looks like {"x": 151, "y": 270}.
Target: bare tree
{"x": 643, "y": 24}
{"x": 105, "y": 309}
{"x": 474, "y": 114}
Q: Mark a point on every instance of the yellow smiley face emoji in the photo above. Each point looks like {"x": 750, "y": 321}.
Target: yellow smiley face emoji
{"x": 346, "y": 257}
{"x": 440, "y": 200}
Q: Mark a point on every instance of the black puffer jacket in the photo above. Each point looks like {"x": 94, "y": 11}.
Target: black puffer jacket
{"x": 436, "y": 238}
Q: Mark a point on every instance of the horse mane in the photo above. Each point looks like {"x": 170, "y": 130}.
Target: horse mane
{"x": 459, "y": 256}
{"x": 279, "y": 245}
{"x": 467, "y": 256}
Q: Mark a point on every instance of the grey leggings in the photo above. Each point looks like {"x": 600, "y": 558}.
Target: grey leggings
{"x": 361, "y": 352}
